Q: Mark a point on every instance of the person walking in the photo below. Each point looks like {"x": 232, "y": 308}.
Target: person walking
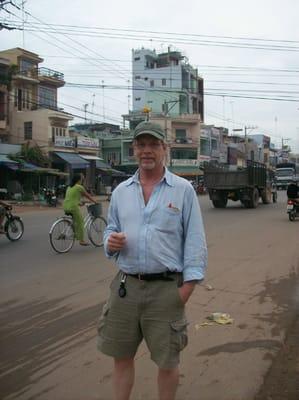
{"x": 71, "y": 204}
{"x": 156, "y": 235}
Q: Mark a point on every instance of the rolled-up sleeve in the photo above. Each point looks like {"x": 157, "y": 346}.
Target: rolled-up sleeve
{"x": 112, "y": 226}
{"x": 195, "y": 247}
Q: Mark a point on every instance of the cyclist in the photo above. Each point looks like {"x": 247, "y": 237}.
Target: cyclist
{"x": 71, "y": 205}
{"x": 3, "y": 206}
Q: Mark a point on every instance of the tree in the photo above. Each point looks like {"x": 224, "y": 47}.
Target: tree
{"x": 33, "y": 154}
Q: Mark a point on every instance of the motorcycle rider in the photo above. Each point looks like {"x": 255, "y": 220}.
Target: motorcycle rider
{"x": 3, "y": 206}
{"x": 293, "y": 190}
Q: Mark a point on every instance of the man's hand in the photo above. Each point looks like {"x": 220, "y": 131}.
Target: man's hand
{"x": 116, "y": 241}
{"x": 186, "y": 290}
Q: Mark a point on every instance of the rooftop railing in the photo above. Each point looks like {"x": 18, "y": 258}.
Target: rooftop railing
{"x": 50, "y": 73}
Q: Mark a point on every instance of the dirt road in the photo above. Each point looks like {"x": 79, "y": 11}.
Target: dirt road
{"x": 50, "y": 304}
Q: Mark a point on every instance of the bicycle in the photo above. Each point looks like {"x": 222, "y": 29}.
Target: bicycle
{"x": 62, "y": 232}
{"x": 13, "y": 226}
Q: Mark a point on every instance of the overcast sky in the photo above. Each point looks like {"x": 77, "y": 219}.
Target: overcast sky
{"x": 214, "y": 35}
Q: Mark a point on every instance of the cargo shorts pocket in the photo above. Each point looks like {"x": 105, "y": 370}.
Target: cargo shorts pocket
{"x": 102, "y": 319}
{"x": 179, "y": 334}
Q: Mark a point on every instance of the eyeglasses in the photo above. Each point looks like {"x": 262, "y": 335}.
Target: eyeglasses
{"x": 152, "y": 146}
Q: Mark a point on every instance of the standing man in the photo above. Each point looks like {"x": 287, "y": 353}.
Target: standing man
{"x": 156, "y": 235}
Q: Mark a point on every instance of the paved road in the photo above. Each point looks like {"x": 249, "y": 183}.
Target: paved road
{"x": 50, "y": 304}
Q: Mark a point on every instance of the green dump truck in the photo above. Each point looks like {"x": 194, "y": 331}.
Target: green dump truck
{"x": 245, "y": 184}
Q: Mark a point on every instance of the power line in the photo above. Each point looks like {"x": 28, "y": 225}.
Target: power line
{"x": 195, "y": 39}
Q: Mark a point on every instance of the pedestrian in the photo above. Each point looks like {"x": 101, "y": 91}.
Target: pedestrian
{"x": 71, "y": 205}
{"x": 114, "y": 184}
{"x": 155, "y": 233}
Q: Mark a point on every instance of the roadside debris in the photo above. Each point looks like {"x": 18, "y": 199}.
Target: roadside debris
{"x": 216, "y": 318}
{"x": 221, "y": 318}
{"x": 209, "y": 287}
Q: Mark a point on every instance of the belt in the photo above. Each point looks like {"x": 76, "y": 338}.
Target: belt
{"x": 161, "y": 276}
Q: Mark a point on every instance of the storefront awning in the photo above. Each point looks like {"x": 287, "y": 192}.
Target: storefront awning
{"x": 29, "y": 167}
{"x": 7, "y": 162}
{"x": 103, "y": 166}
{"x": 90, "y": 157}
{"x": 73, "y": 159}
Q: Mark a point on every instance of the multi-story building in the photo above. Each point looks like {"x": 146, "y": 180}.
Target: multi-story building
{"x": 4, "y": 85}
{"x": 166, "y": 83}
{"x": 32, "y": 105}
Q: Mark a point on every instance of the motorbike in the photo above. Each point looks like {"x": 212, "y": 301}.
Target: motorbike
{"x": 292, "y": 209}
{"x": 50, "y": 197}
{"x": 13, "y": 226}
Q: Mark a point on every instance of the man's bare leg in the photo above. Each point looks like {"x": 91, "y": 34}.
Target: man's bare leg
{"x": 124, "y": 373}
{"x": 168, "y": 380}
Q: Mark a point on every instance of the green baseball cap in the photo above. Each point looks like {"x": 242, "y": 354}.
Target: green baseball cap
{"x": 149, "y": 128}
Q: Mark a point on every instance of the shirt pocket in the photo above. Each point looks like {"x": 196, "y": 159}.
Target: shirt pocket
{"x": 167, "y": 219}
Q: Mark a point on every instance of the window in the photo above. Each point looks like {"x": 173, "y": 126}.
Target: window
{"x": 28, "y": 130}
{"x": 137, "y": 77}
{"x": 152, "y": 83}
{"x": 184, "y": 154}
{"x": 47, "y": 97}
{"x": 136, "y": 58}
{"x": 164, "y": 82}
{"x": 26, "y": 65}
{"x": 180, "y": 134}
{"x": 205, "y": 148}
{"x": 137, "y": 98}
{"x": 53, "y": 134}
{"x": 22, "y": 99}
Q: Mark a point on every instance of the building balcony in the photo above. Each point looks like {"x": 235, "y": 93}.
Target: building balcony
{"x": 38, "y": 75}
{"x": 29, "y": 76}
{"x": 50, "y": 76}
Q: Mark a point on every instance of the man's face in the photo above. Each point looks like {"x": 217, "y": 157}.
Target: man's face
{"x": 149, "y": 152}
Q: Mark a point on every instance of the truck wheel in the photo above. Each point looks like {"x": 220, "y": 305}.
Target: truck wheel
{"x": 220, "y": 202}
{"x": 254, "y": 200}
{"x": 266, "y": 195}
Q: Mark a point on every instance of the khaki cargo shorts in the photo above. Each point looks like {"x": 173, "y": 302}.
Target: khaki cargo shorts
{"x": 151, "y": 310}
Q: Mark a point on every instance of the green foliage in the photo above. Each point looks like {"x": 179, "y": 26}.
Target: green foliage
{"x": 33, "y": 154}
{"x": 6, "y": 78}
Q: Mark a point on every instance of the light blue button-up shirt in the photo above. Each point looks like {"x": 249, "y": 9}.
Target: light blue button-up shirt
{"x": 165, "y": 234}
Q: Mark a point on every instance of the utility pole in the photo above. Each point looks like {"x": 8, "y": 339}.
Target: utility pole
{"x": 85, "y": 110}
{"x": 103, "y": 100}
{"x": 92, "y": 107}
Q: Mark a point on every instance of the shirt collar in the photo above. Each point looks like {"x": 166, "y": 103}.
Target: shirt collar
{"x": 167, "y": 177}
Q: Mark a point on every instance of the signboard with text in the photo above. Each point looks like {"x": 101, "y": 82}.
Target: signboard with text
{"x": 184, "y": 162}
{"x": 64, "y": 141}
{"x": 88, "y": 142}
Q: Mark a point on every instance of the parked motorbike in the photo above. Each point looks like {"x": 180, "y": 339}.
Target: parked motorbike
{"x": 50, "y": 197}
{"x": 292, "y": 209}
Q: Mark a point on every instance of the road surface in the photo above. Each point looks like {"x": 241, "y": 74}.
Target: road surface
{"x": 50, "y": 304}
